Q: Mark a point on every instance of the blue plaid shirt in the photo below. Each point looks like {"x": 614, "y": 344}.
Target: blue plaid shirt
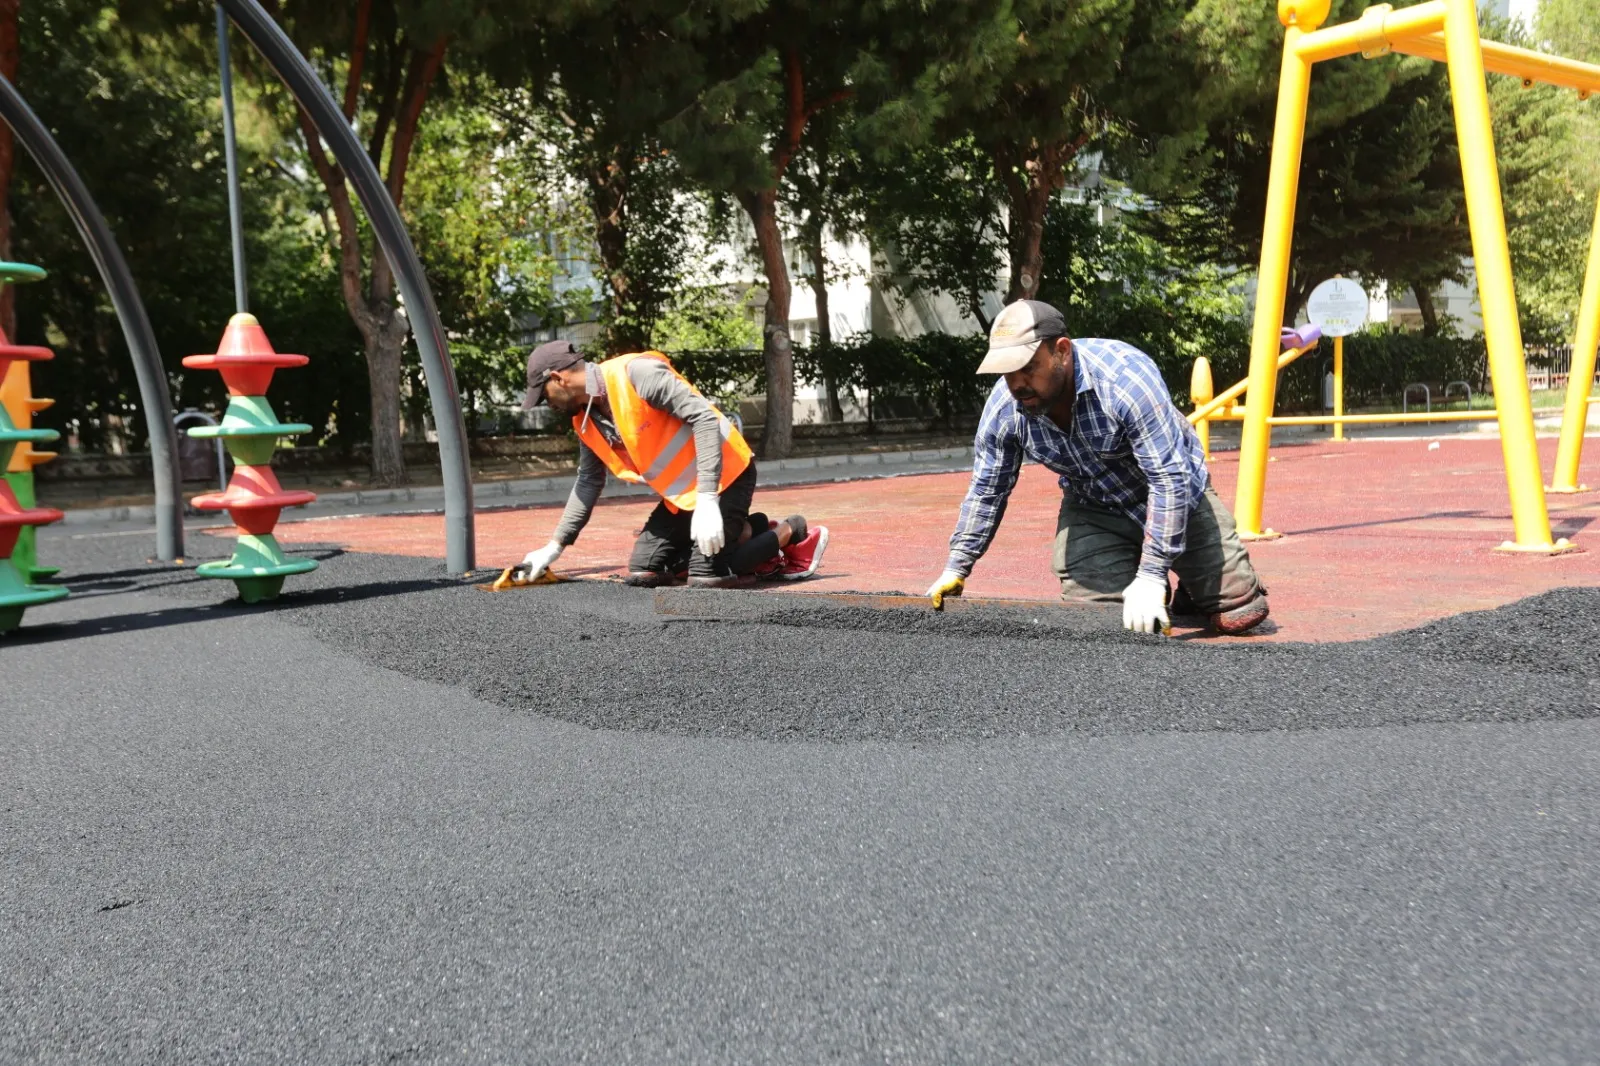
{"x": 1129, "y": 450}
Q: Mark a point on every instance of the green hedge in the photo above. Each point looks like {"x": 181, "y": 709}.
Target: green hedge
{"x": 1378, "y": 365}
{"x": 935, "y": 371}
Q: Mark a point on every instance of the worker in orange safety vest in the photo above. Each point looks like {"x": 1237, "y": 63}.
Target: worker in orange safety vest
{"x": 641, "y": 421}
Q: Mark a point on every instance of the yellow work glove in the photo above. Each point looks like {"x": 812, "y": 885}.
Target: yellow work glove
{"x": 950, "y": 583}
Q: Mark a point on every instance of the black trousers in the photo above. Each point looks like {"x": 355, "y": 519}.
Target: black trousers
{"x": 665, "y": 546}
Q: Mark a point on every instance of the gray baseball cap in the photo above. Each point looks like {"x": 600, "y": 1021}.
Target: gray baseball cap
{"x": 550, "y": 356}
{"x": 1017, "y": 334}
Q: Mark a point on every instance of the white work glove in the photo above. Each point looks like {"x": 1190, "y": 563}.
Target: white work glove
{"x": 950, "y": 583}
{"x": 1144, "y": 606}
{"x": 539, "y": 560}
{"x": 705, "y": 527}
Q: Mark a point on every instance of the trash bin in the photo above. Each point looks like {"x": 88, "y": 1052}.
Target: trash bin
{"x": 198, "y": 460}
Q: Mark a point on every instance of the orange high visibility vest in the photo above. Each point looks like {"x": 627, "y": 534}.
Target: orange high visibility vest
{"x": 660, "y": 446}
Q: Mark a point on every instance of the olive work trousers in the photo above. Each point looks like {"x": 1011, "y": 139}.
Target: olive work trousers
{"x": 1097, "y": 554}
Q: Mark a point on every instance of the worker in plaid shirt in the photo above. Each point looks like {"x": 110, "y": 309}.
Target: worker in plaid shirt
{"x": 1137, "y": 502}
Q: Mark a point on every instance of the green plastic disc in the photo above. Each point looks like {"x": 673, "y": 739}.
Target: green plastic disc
{"x": 20, "y": 273}
{"x": 258, "y": 567}
{"x": 16, "y": 596}
{"x": 250, "y": 430}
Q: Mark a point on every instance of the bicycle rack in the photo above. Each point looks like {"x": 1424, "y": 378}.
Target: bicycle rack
{"x": 1427, "y": 397}
{"x": 1464, "y": 388}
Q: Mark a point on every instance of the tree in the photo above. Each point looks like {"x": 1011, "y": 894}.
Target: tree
{"x": 1569, "y": 28}
{"x": 936, "y": 214}
{"x": 1547, "y": 142}
{"x": 818, "y": 191}
{"x": 142, "y": 125}
{"x": 1035, "y": 83}
{"x": 711, "y": 318}
{"x": 600, "y": 80}
{"x": 1380, "y": 183}
{"x": 387, "y": 57}
{"x": 770, "y": 70}
{"x": 486, "y": 218}
{"x": 392, "y": 56}
{"x": 1109, "y": 278}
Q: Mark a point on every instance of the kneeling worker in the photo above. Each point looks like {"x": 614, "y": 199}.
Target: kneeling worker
{"x": 1136, "y": 498}
{"x": 639, "y": 418}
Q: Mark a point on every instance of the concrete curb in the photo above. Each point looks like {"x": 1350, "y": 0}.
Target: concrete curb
{"x": 553, "y": 488}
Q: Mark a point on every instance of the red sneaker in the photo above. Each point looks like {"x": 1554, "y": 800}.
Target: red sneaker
{"x": 802, "y": 559}
{"x": 771, "y": 570}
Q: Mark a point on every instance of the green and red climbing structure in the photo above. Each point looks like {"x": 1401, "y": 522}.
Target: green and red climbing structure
{"x": 18, "y": 515}
{"x": 250, "y": 431}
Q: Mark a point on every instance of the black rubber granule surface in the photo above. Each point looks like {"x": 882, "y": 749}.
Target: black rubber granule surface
{"x": 596, "y": 653}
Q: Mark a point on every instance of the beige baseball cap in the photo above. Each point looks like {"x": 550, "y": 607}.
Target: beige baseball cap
{"x": 1017, "y": 334}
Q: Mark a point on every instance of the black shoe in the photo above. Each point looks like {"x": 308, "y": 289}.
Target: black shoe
{"x": 724, "y": 581}
{"x": 647, "y": 579}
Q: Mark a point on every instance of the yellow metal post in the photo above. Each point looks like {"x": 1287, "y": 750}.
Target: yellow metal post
{"x": 1201, "y": 391}
{"x": 1581, "y": 379}
{"x": 1338, "y": 387}
{"x": 1469, "y": 94}
{"x": 1299, "y": 17}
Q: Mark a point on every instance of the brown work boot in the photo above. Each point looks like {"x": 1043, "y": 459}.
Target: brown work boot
{"x": 1241, "y": 619}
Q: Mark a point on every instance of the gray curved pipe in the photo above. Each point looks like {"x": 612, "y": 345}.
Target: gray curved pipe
{"x": 303, "y": 83}
{"x": 147, "y": 368}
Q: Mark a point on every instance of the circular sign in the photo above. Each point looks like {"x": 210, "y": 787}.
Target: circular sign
{"x": 1339, "y": 306}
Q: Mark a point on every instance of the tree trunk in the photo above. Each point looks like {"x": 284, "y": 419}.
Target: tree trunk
{"x": 777, "y": 435}
{"x": 414, "y": 407}
{"x": 819, "y": 280}
{"x": 1430, "y": 313}
{"x": 819, "y": 292}
{"x": 382, "y": 345}
{"x": 1027, "y": 240}
{"x": 10, "y": 54}
{"x": 374, "y": 311}
{"x": 1031, "y": 179}
{"x": 975, "y": 308}
{"x": 608, "y": 200}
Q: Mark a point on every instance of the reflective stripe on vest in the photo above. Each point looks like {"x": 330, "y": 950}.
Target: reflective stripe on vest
{"x": 660, "y": 446}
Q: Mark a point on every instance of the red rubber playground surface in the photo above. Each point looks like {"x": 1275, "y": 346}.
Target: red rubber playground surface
{"x": 1380, "y": 535}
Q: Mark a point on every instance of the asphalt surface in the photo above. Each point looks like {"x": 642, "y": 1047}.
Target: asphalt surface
{"x": 396, "y": 819}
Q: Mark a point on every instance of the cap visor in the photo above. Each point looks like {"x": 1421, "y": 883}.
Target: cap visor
{"x": 1005, "y": 360}
{"x": 532, "y": 398}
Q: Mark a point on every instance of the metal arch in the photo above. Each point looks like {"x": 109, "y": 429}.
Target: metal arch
{"x": 147, "y": 368}
{"x": 287, "y": 62}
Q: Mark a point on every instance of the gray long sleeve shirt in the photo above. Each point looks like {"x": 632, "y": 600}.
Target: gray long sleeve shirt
{"x": 659, "y": 387}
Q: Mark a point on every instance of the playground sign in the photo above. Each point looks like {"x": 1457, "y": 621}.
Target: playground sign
{"x": 1339, "y": 306}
